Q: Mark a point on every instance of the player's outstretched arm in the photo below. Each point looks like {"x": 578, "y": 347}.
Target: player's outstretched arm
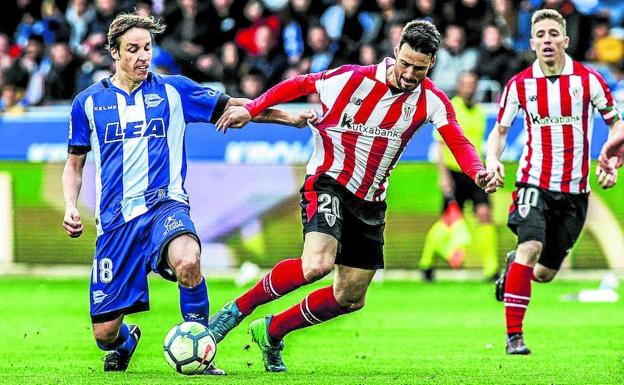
{"x": 611, "y": 156}
{"x": 494, "y": 149}
{"x": 283, "y": 92}
{"x": 72, "y": 182}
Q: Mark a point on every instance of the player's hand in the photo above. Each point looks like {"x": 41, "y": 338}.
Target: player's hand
{"x": 487, "y": 181}
{"x": 301, "y": 120}
{"x": 235, "y": 117}
{"x": 610, "y": 164}
{"x": 607, "y": 179}
{"x": 72, "y": 223}
{"x": 499, "y": 169}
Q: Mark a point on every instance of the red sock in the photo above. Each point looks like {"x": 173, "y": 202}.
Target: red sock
{"x": 319, "y": 306}
{"x": 285, "y": 277}
{"x": 517, "y": 295}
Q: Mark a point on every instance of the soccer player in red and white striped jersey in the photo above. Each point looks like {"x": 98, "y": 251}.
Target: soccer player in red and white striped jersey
{"x": 369, "y": 115}
{"x": 558, "y": 97}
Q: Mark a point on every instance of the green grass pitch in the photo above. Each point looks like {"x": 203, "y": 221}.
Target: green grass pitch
{"x": 409, "y": 333}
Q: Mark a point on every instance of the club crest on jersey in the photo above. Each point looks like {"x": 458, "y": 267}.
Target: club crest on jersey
{"x": 524, "y": 210}
{"x": 576, "y": 92}
{"x": 152, "y": 100}
{"x": 408, "y": 111}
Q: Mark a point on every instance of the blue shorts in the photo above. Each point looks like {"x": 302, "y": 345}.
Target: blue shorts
{"x": 126, "y": 254}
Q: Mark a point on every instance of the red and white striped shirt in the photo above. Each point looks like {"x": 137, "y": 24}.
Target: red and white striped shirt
{"x": 558, "y": 115}
{"x": 365, "y": 127}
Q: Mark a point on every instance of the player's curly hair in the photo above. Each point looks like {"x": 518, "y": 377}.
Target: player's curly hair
{"x": 422, "y": 36}
{"x": 543, "y": 14}
{"x": 126, "y": 21}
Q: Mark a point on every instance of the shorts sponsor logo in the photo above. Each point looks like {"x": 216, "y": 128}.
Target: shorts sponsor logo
{"x": 524, "y": 210}
{"x": 98, "y": 296}
{"x": 171, "y": 224}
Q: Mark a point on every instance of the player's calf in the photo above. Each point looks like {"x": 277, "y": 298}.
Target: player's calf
{"x": 118, "y": 359}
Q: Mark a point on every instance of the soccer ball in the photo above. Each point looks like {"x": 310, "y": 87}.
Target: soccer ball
{"x": 189, "y": 347}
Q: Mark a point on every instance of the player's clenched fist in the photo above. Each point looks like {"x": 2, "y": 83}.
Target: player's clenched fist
{"x": 72, "y": 223}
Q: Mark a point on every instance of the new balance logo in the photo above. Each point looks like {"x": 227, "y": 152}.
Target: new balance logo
{"x": 532, "y": 98}
{"x": 98, "y": 296}
{"x": 357, "y": 101}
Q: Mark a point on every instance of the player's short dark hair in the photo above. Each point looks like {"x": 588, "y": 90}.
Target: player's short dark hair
{"x": 126, "y": 21}
{"x": 422, "y": 36}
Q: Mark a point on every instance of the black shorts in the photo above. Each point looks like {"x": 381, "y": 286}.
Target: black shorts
{"x": 358, "y": 225}
{"x": 553, "y": 218}
{"x": 465, "y": 190}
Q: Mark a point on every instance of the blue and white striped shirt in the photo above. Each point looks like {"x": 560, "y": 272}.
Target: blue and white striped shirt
{"x": 138, "y": 142}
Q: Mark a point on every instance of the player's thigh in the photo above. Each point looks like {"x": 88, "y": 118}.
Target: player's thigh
{"x": 319, "y": 248}
{"x": 322, "y": 218}
{"x": 119, "y": 273}
{"x": 361, "y": 244}
{"x": 173, "y": 240}
{"x": 527, "y": 216}
{"x": 563, "y": 230}
{"x": 351, "y": 284}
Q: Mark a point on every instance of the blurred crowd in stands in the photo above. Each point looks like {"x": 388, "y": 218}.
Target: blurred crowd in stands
{"x": 52, "y": 49}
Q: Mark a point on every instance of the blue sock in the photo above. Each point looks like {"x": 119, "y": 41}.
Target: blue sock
{"x": 194, "y": 303}
{"x": 122, "y": 342}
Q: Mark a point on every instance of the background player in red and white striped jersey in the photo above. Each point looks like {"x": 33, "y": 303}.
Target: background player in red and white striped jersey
{"x": 558, "y": 97}
{"x": 369, "y": 115}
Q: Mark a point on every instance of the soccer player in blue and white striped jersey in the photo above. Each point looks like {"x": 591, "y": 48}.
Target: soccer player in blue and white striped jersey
{"x": 134, "y": 122}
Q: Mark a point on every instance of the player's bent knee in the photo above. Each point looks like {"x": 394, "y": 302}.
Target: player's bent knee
{"x": 544, "y": 276}
{"x": 350, "y": 304}
{"x": 316, "y": 271}
{"x": 188, "y": 271}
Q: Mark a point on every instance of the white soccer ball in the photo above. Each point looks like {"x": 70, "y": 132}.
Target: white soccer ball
{"x": 189, "y": 348}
